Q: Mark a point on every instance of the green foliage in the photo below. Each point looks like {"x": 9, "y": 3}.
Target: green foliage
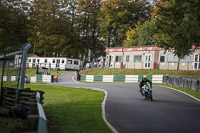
{"x": 12, "y": 24}
{"x": 88, "y": 30}
{"x": 179, "y": 26}
{"x": 73, "y": 110}
{"x": 118, "y": 16}
{"x": 141, "y": 35}
{"x": 49, "y": 28}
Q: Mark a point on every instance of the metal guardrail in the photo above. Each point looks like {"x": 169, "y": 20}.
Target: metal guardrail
{"x": 42, "y": 121}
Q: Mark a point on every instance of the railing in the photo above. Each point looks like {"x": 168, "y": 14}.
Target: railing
{"x": 184, "y": 82}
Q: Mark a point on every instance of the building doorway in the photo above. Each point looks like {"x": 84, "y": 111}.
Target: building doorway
{"x": 147, "y": 63}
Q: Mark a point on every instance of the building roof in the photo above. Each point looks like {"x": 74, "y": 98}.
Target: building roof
{"x": 130, "y": 49}
{"x": 139, "y": 48}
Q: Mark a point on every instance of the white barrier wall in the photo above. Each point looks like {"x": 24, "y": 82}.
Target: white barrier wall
{"x": 123, "y": 78}
{"x": 131, "y": 78}
{"x": 13, "y": 78}
{"x": 46, "y": 78}
{"x": 157, "y": 78}
{"x": 33, "y": 79}
{"x": 108, "y": 78}
{"x": 89, "y": 78}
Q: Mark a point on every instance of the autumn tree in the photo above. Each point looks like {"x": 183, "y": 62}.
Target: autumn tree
{"x": 118, "y": 16}
{"x": 142, "y": 34}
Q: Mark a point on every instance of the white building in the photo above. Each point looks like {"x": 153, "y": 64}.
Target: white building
{"x": 61, "y": 63}
{"x": 150, "y": 57}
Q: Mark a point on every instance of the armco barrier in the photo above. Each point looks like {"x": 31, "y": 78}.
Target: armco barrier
{"x": 42, "y": 121}
{"x": 183, "y": 82}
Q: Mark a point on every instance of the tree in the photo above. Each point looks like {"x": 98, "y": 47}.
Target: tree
{"x": 141, "y": 35}
{"x": 88, "y": 26}
{"x": 12, "y": 24}
{"x": 118, "y": 16}
{"x": 49, "y": 28}
{"x": 179, "y": 26}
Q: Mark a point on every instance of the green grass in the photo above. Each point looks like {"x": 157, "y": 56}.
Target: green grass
{"x": 73, "y": 110}
{"x": 30, "y": 72}
{"x": 10, "y": 125}
{"x": 109, "y": 71}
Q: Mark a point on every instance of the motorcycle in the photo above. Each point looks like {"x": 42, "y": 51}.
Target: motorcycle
{"x": 147, "y": 92}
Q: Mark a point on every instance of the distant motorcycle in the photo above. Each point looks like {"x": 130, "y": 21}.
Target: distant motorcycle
{"x": 147, "y": 92}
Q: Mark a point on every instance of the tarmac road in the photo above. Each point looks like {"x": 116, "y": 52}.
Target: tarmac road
{"x": 128, "y": 112}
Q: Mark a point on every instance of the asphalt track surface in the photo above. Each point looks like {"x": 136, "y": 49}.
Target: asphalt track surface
{"x": 128, "y": 112}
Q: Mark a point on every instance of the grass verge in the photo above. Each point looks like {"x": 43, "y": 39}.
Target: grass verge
{"x": 10, "y": 125}
{"x": 30, "y": 72}
{"x": 73, "y": 109}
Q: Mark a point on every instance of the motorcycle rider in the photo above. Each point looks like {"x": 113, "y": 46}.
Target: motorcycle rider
{"x": 143, "y": 82}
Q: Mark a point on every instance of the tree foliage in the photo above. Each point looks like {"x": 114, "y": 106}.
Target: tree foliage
{"x": 141, "y": 35}
{"x": 179, "y": 26}
{"x": 72, "y": 28}
{"x": 118, "y": 16}
{"x": 12, "y": 24}
{"x": 88, "y": 25}
{"x": 49, "y": 28}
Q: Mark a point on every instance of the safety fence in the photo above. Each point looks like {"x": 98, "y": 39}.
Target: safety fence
{"x": 37, "y": 78}
{"x": 42, "y": 121}
{"x": 120, "y": 78}
{"x": 184, "y": 82}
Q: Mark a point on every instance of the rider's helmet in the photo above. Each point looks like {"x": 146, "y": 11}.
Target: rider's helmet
{"x": 144, "y": 77}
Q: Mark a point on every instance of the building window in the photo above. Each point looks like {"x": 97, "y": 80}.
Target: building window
{"x": 127, "y": 58}
{"x": 45, "y": 61}
{"x": 69, "y": 61}
{"x": 34, "y": 60}
{"x": 186, "y": 59}
{"x": 58, "y": 60}
{"x": 38, "y": 60}
{"x": 118, "y": 59}
{"x": 162, "y": 58}
{"x": 172, "y": 58}
{"x": 197, "y": 61}
{"x": 137, "y": 58}
{"x": 54, "y": 61}
{"x": 29, "y": 60}
{"x": 76, "y": 62}
{"x": 63, "y": 61}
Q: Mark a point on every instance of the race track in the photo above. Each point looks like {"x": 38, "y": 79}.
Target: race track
{"x": 128, "y": 112}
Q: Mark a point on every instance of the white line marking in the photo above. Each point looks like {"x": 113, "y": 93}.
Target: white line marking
{"x": 75, "y": 80}
{"x": 103, "y": 113}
